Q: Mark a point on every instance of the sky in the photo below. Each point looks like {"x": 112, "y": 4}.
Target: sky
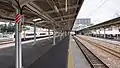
{"x": 99, "y": 10}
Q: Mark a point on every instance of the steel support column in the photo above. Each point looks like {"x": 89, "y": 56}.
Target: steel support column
{"x": 104, "y": 32}
{"x": 117, "y": 32}
{"x": 61, "y": 35}
{"x": 99, "y": 32}
{"x": 96, "y": 32}
{"x": 54, "y": 35}
{"x": 65, "y": 33}
{"x": 24, "y": 33}
{"x": 18, "y": 42}
{"x": 34, "y": 33}
{"x": 49, "y": 33}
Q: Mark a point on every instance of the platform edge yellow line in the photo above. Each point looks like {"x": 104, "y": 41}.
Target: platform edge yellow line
{"x": 70, "y": 57}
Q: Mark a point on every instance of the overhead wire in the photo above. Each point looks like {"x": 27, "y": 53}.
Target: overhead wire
{"x": 103, "y": 2}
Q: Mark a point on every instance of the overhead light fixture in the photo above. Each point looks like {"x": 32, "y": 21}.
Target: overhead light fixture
{"x": 38, "y": 19}
{"x": 56, "y": 8}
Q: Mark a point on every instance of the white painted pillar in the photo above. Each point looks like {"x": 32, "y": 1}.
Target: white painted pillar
{"x": 99, "y": 32}
{"x": 24, "y": 33}
{"x": 117, "y": 32}
{"x": 96, "y": 32}
{"x": 54, "y": 35}
{"x": 61, "y": 35}
{"x": 49, "y": 33}
{"x": 104, "y": 33}
{"x": 65, "y": 33}
{"x": 18, "y": 45}
{"x": 34, "y": 33}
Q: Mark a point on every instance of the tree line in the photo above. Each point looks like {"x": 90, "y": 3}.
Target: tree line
{"x": 10, "y": 28}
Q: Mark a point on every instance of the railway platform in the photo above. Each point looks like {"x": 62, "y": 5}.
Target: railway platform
{"x": 69, "y": 52}
{"x": 30, "y": 52}
{"x": 65, "y": 54}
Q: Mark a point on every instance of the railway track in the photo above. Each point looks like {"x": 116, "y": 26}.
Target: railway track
{"x": 109, "y": 42}
{"x": 115, "y": 54}
{"x": 107, "y": 49}
{"x": 92, "y": 59}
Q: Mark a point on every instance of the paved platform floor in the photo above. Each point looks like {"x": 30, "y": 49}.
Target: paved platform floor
{"x": 30, "y": 53}
{"x": 79, "y": 59}
{"x": 57, "y": 57}
{"x": 66, "y": 54}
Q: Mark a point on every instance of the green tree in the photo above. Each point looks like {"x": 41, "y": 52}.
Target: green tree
{"x": 0, "y": 28}
{"x": 10, "y": 27}
{"x": 7, "y": 28}
{"x": 4, "y": 28}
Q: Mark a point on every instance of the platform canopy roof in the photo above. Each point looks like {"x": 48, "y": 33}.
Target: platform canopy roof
{"x": 106, "y": 24}
{"x": 51, "y": 12}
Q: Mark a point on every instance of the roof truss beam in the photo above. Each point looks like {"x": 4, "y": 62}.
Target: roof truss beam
{"x": 39, "y": 11}
{"x": 65, "y": 16}
{"x": 62, "y": 9}
{"x": 65, "y": 20}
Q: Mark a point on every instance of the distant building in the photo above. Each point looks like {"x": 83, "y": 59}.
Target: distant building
{"x": 81, "y": 23}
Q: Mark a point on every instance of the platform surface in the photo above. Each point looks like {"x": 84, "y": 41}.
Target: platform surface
{"x": 65, "y": 54}
{"x": 79, "y": 59}
{"x": 55, "y": 58}
{"x": 30, "y": 52}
